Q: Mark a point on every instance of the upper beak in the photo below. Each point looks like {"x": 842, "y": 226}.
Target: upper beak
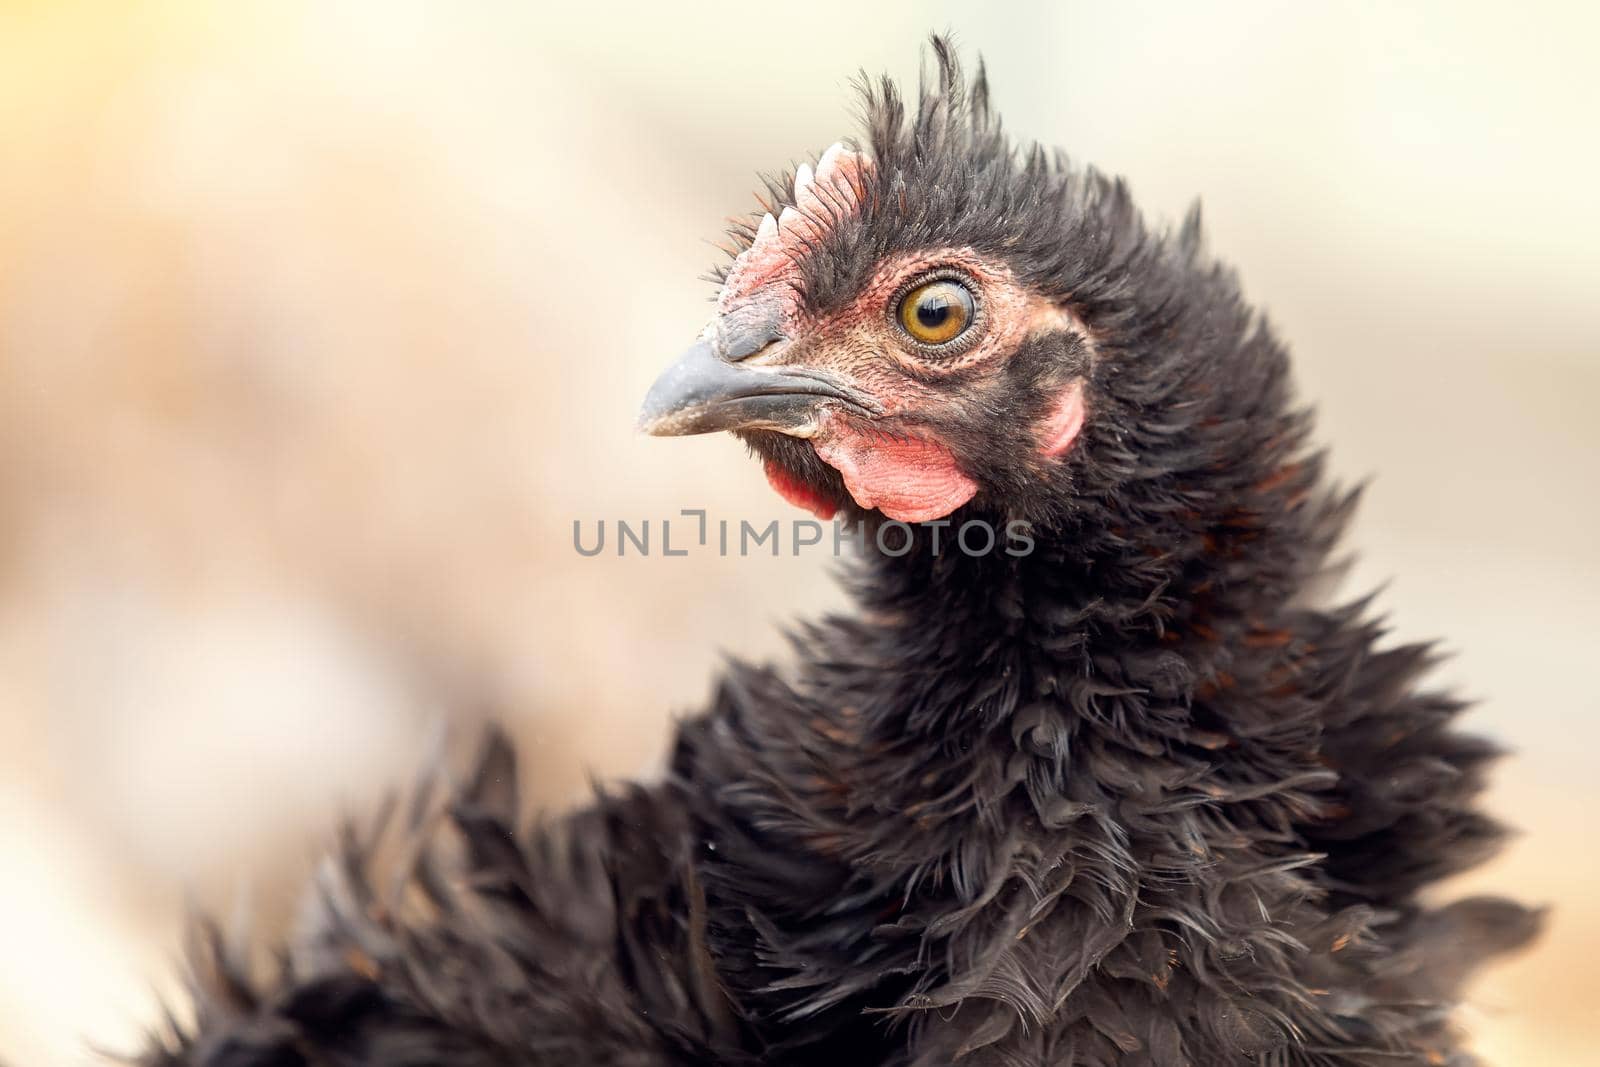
{"x": 703, "y": 392}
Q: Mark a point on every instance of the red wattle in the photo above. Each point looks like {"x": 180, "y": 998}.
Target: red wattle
{"x": 798, "y": 493}
{"x": 908, "y": 479}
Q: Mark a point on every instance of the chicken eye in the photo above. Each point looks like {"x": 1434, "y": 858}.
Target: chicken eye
{"x": 937, "y": 312}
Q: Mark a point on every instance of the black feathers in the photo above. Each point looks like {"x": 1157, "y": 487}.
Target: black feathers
{"x": 1135, "y": 798}
{"x": 459, "y": 936}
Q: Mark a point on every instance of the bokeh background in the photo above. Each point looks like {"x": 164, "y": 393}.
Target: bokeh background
{"x": 320, "y": 324}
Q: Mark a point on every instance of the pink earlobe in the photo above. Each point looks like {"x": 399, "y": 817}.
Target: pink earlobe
{"x": 1061, "y": 428}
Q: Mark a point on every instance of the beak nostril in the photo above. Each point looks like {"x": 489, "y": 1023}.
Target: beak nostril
{"x": 742, "y": 342}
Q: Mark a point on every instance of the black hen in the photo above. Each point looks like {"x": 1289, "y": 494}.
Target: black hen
{"x": 1098, "y": 782}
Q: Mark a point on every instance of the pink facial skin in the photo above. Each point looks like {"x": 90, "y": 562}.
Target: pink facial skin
{"x": 910, "y": 478}
{"x": 913, "y": 479}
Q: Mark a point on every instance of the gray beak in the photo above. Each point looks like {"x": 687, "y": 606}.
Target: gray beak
{"x": 703, "y": 392}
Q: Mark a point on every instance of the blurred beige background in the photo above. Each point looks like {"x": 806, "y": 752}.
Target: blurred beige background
{"x": 320, "y": 324}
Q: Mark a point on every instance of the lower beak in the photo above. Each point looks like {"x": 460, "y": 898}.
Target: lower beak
{"x": 703, "y": 393}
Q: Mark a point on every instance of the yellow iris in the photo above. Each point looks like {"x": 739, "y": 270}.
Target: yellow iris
{"x": 937, "y": 312}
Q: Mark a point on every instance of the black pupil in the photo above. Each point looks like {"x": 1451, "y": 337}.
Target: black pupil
{"x": 933, "y": 310}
